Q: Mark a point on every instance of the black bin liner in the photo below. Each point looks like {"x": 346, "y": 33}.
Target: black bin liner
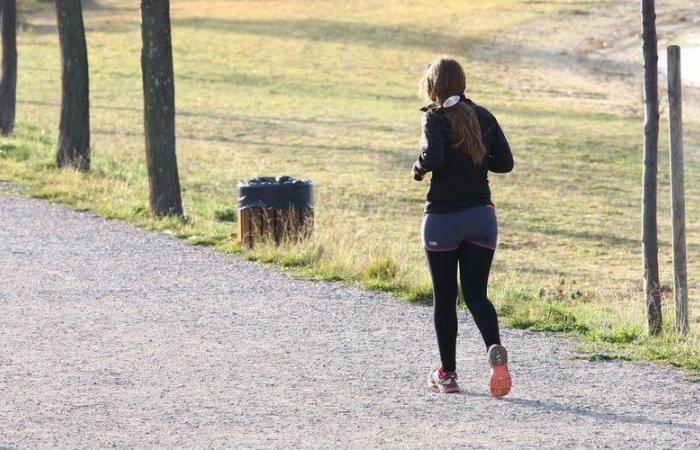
{"x": 275, "y": 192}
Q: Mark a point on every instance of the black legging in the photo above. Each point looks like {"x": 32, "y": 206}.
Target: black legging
{"x": 474, "y": 264}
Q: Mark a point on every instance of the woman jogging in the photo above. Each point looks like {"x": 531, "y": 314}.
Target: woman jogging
{"x": 460, "y": 143}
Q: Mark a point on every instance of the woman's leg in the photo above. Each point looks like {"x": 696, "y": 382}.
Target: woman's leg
{"x": 443, "y": 271}
{"x": 474, "y": 267}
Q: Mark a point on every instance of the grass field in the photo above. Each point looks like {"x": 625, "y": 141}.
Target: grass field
{"x": 327, "y": 90}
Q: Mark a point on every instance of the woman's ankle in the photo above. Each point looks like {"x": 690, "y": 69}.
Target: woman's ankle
{"x": 442, "y": 372}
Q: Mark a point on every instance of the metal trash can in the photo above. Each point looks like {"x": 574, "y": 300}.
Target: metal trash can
{"x": 275, "y": 208}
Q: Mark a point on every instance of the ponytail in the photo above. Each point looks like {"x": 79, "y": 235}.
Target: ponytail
{"x": 465, "y": 131}
{"x": 442, "y": 84}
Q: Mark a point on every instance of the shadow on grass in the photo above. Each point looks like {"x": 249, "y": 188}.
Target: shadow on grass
{"x": 397, "y": 36}
{"x": 607, "y": 238}
{"x": 382, "y": 36}
{"x": 602, "y": 238}
{"x": 281, "y": 83}
{"x": 375, "y": 35}
{"x": 334, "y": 123}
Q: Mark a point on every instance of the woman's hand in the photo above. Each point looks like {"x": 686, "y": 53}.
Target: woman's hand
{"x": 418, "y": 173}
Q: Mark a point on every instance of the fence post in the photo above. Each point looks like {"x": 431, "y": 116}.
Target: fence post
{"x": 675, "y": 117}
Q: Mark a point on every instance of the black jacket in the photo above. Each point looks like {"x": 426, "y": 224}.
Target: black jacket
{"x": 457, "y": 183}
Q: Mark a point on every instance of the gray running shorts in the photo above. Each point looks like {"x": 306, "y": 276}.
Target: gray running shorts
{"x": 445, "y": 232}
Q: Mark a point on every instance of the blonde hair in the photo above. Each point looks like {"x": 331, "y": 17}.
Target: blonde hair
{"x": 443, "y": 79}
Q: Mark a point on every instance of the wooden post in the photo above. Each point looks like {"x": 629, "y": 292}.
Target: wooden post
{"x": 650, "y": 245}
{"x": 675, "y": 118}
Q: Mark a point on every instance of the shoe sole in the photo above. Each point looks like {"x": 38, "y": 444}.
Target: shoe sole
{"x": 501, "y": 381}
{"x": 437, "y": 390}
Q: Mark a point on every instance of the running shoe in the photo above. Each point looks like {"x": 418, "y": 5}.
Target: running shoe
{"x": 443, "y": 382}
{"x": 500, "y": 382}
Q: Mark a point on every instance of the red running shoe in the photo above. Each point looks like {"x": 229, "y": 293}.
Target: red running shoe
{"x": 443, "y": 382}
{"x": 500, "y": 382}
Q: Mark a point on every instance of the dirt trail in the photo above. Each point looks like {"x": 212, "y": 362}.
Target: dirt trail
{"x": 590, "y": 53}
{"x": 113, "y": 336}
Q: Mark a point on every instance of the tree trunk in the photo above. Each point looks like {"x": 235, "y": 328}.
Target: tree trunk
{"x": 8, "y": 83}
{"x": 650, "y": 248}
{"x": 74, "y": 129}
{"x": 159, "y": 108}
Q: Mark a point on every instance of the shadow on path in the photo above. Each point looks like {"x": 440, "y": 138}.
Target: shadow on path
{"x": 584, "y": 412}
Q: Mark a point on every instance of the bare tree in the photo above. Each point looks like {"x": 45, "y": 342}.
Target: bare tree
{"x": 650, "y": 248}
{"x": 159, "y": 108}
{"x": 8, "y": 83}
{"x": 74, "y": 129}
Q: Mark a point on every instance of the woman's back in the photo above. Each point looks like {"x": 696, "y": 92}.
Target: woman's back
{"x": 458, "y": 182}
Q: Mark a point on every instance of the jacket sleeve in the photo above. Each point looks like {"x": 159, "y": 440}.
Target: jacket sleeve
{"x": 432, "y": 145}
{"x": 500, "y": 156}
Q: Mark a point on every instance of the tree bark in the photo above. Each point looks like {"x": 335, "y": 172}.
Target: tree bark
{"x": 159, "y": 108}
{"x": 8, "y": 83}
{"x": 74, "y": 129}
{"x": 650, "y": 248}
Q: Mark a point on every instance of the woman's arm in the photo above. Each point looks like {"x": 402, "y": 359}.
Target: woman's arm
{"x": 500, "y": 156}
{"x": 432, "y": 144}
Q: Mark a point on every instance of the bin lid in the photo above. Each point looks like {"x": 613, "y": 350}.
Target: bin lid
{"x": 275, "y": 192}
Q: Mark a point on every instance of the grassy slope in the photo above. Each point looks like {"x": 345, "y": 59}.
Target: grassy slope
{"x": 326, "y": 90}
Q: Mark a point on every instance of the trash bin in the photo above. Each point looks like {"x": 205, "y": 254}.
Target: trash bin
{"x": 275, "y": 208}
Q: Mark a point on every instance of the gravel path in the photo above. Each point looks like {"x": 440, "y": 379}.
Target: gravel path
{"x": 114, "y": 336}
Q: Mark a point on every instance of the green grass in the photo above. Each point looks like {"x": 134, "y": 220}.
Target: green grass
{"x": 323, "y": 90}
